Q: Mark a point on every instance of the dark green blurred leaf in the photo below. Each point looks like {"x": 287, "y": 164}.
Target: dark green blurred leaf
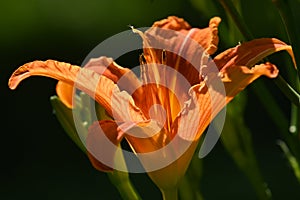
{"x": 237, "y": 140}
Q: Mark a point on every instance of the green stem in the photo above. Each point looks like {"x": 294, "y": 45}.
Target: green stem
{"x": 190, "y": 184}
{"x": 169, "y": 194}
{"x": 122, "y": 182}
{"x": 187, "y": 189}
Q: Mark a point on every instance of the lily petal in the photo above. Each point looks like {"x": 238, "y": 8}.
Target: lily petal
{"x": 207, "y": 101}
{"x": 146, "y": 136}
{"x": 249, "y": 53}
{"x": 65, "y": 93}
{"x": 98, "y": 145}
{"x": 164, "y": 158}
{"x": 236, "y": 78}
{"x": 197, "y": 113}
{"x": 123, "y": 77}
{"x": 105, "y": 66}
{"x": 207, "y": 37}
{"x": 98, "y": 87}
{"x": 86, "y": 80}
{"x": 183, "y": 45}
{"x": 152, "y": 152}
{"x": 172, "y": 43}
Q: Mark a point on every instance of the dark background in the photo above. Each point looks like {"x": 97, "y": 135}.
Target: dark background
{"x": 39, "y": 161}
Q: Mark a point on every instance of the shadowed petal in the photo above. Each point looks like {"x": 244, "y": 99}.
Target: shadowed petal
{"x": 65, "y": 93}
{"x": 123, "y": 77}
{"x": 105, "y": 66}
{"x": 146, "y": 136}
{"x": 236, "y": 78}
{"x": 101, "y": 135}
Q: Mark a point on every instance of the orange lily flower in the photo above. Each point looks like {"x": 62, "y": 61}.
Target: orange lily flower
{"x": 132, "y": 103}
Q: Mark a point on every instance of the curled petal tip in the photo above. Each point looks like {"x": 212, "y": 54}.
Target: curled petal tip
{"x": 268, "y": 69}
{"x": 214, "y": 40}
{"x": 20, "y": 74}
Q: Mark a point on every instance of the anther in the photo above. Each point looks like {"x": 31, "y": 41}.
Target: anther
{"x": 142, "y": 59}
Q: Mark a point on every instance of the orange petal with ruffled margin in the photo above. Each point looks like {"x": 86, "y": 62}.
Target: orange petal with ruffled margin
{"x": 206, "y": 103}
{"x": 173, "y": 43}
{"x": 207, "y": 37}
{"x": 123, "y": 77}
{"x": 183, "y": 45}
{"x": 236, "y": 78}
{"x": 249, "y": 53}
{"x": 98, "y": 87}
{"x": 207, "y": 100}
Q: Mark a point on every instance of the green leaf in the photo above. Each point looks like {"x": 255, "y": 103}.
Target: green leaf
{"x": 237, "y": 140}
{"x": 66, "y": 119}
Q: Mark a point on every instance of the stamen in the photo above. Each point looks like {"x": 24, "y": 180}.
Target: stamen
{"x": 143, "y": 65}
